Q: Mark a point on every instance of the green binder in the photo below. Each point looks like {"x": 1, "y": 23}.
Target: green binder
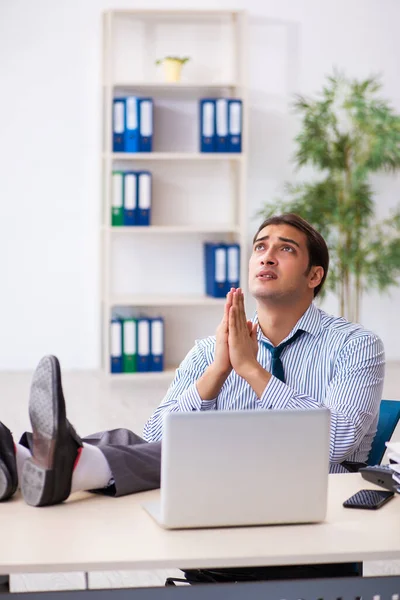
{"x": 129, "y": 345}
{"x": 117, "y": 208}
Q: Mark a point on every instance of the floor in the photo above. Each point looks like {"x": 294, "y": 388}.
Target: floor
{"x": 95, "y": 403}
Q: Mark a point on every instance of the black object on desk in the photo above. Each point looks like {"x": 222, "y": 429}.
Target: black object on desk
{"x": 381, "y": 475}
{"x": 369, "y": 499}
{"x": 353, "y": 467}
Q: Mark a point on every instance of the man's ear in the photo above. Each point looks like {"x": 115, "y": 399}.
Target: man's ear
{"x": 315, "y": 277}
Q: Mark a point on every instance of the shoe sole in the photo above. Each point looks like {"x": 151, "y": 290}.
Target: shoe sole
{"x": 37, "y": 484}
{"x": 8, "y": 465}
{"x": 43, "y": 478}
{"x": 5, "y": 482}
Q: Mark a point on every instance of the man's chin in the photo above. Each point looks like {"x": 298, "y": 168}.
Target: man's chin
{"x": 268, "y": 295}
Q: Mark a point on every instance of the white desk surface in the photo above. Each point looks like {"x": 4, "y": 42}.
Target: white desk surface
{"x": 91, "y": 532}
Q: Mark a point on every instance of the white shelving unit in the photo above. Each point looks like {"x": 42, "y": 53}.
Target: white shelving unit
{"x": 173, "y": 229}
{"x": 180, "y": 156}
{"x": 168, "y": 301}
{"x": 197, "y": 197}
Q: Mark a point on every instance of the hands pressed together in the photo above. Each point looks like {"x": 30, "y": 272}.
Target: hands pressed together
{"x": 236, "y": 348}
{"x": 236, "y": 338}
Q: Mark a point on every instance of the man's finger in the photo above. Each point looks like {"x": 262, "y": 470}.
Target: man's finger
{"x": 242, "y": 321}
{"x": 232, "y": 316}
{"x": 227, "y": 306}
{"x": 242, "y": 304}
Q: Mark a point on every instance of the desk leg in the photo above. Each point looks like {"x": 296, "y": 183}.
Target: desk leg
{"x": 351, "y": 588}
{"x": 98, "y": 580}
{"x": 47, "y": 582}
{"x": 381, "y": 567}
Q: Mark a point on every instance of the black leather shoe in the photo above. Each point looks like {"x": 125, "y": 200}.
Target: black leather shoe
{"x": 47, "y": 476}
{"x": 8, "y": 464}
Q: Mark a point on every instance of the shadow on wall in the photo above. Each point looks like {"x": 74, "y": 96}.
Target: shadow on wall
{"x": 274, "y": 55}
{"x": 273, "y": 79}
{"x": 270, "y": 143}
{"x": 274, "y": 65}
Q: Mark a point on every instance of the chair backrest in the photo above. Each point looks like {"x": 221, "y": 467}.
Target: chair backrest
{"x": 389, "y": 416}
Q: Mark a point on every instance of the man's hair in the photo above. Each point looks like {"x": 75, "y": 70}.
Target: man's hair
{"x": 317, "y": 249}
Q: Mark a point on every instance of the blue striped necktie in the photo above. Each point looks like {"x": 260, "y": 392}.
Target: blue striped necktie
{"x": 276, "y": 366}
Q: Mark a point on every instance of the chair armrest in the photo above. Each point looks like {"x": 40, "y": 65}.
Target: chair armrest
{"x": 353, "y": 467}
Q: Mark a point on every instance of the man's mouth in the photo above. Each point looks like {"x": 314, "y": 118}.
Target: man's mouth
{"x": 266, "y": 275}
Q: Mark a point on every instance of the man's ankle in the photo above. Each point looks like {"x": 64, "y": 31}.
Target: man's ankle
{"x": 91, "y": 470}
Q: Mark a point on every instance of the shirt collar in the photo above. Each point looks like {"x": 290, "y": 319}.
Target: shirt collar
{"x": 309, "y": 322}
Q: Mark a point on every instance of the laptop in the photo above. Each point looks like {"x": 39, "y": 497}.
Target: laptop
{"x": 241, "y": 468}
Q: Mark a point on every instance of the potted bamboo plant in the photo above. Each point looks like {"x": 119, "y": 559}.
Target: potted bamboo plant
{"x": 348, "y": 133}
{"x": 172, "y": 67}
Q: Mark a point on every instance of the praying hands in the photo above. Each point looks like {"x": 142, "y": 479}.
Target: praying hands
{"x": 236, "y": 347}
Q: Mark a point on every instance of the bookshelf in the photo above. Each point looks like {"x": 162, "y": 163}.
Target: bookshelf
{"x": 197, "y": 197}
{"x": 180, "y": 156}
{"x": 155, "y": 229}
{"x": 167, "y": 301}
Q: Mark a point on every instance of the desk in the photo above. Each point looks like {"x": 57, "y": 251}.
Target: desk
{"x": 92, "y": 532}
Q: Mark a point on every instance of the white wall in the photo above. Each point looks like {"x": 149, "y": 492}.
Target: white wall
{"x": 50, "y": 140}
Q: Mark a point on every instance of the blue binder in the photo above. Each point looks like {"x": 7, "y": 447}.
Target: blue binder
{"x": 235, "y": 125}
{"x": 116, "y": 345}
{"x": 143, "y": 346}
{"x": 119, "y": 125}
{"x": 221, "y": 124}
{"x": 144, "y": 198}
{"x": 216, "y": 269}
{"x": 157, "y": 344}
{"x": 233, "y": 266}
{"x": 130, "y": 198}
{"x": 131, "y": 124}
{"x": 207, "y": 125}
{"x": 145, "y": 124}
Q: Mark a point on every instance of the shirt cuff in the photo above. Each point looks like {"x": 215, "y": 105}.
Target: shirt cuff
{"x": 191, "y": 400}
{"x": 276, "y": 394}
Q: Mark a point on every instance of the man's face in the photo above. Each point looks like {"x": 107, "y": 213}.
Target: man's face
{"x": 278, "y": 267}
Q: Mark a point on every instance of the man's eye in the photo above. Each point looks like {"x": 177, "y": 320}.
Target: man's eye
{"x": 287, "y": 248}
{"x": 259, "y": 246}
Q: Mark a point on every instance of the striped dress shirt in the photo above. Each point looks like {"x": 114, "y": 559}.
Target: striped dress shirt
{"x": 335, "y": 363}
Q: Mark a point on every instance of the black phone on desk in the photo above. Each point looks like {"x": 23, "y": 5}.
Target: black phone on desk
{"x": 368, "y": 499}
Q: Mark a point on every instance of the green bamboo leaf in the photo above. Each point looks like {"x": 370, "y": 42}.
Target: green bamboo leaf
{"x": 347, "y": 133}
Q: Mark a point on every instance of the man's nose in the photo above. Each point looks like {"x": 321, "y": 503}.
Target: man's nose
{"x": 268, "y": 258}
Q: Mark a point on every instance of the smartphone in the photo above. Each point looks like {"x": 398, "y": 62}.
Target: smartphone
{"x": 369, "y": 499}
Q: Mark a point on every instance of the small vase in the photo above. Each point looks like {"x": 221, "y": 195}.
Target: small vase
{"x": 172, "y": 70}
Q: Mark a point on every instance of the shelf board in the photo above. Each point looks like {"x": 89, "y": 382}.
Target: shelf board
{"x": 235, "y": 156}
{"x": 167, "y": 375}
{"x": 150, "y": 12}
{"x": 179, "y": 85}
{"x": 150, "y": 300}
{"x": 161, "y": 229}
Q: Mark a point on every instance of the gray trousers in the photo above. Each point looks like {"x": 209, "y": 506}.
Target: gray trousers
{"x": 135, "y": 464}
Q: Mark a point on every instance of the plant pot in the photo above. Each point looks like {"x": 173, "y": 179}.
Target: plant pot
{"x": 172, "y": 70}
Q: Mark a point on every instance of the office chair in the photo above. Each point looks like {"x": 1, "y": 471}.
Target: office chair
{"x": 389, "y": 416}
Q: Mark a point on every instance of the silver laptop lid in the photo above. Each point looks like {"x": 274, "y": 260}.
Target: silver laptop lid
{"x": 244, "y": 467}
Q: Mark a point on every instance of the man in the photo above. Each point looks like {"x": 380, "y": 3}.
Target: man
{"x": 292, "y": 355}
{"x": 328, "y": 361}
